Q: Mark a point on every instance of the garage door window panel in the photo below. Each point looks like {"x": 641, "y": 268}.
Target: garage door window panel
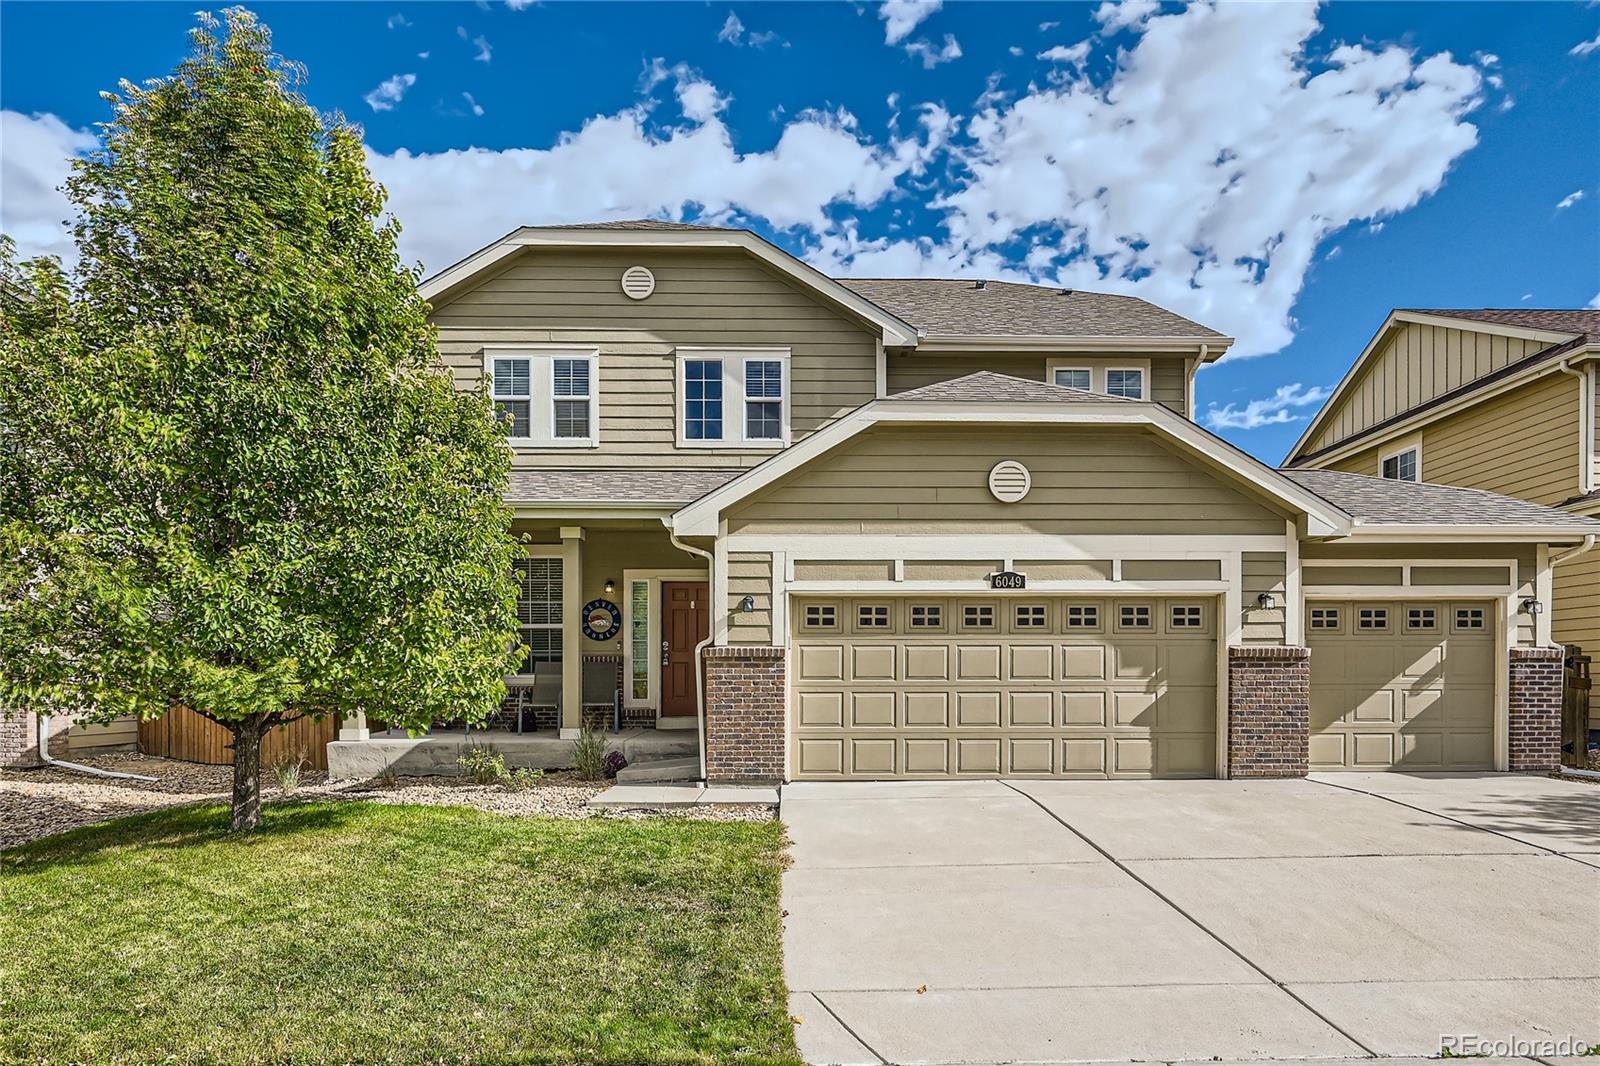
{"x": 1422, "y": 619}
{"x": 1083, "y": 617}
{"x": 926, "y": 618}
{"x": 1134, "y": 617}
{"x": 1327, "y": 620}
{"x": 977, "y": 617}
{"x": 874, "y": 617}
{"x": 820, "y": 618}
{"x": 1030, "y": 617}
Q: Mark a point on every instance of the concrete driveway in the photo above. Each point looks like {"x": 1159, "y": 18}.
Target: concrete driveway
{"x": 1344, "y": 916}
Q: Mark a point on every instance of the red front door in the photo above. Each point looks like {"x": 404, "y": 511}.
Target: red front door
{"x": 685, "y": 622}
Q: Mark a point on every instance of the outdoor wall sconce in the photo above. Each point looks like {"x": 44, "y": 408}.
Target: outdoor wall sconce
{"x": 1531, "y": 605}
{"x": 1266, "y": 602}
{"x": 611, "y": 585}
{"x": 747, "y": 605}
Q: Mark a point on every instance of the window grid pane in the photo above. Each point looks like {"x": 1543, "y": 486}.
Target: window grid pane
{"x": 927, "y": 616}
{"x": 821, "y": 616}
{"x": 639, "y": 639}
{"x": 1185, "y": 617}
{"x": 1470, "y": 618}
{"x": 514, "y": 416}
{"x": 1371, "y": 618}
{"x": 1030, "y": 616}
{"x": 1402, "y": 467}
{"x": 572, "y": 377}
{"x": 510, "y": 378}
{"x": 872, "y": 616}
{"x": 702, "y": 399}
{"x": 1128, "y": 383}
{"x": 538, "y": 610}
{"x": 1073, "y": 379}
{"x": 572, "y": 420}
{"x": 1134, "y": 616}
{"x": 1083, "y": 617}
{"x": 977, "y": 616}
{"x": 763, "y": 379}
{"x": 1324, "y": 618}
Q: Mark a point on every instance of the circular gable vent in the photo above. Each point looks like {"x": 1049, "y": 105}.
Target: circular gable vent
{"x": 638, "y": 282}
{"x": 1009, "y": 481}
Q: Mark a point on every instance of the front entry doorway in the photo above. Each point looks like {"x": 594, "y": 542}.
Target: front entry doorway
{"x": 685, "y": 622}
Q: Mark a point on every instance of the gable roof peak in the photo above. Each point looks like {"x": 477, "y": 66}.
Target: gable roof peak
{"x": 986, "y": 386}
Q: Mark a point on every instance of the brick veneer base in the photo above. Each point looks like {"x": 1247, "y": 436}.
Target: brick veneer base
{"x": 1269, "y": 711}
{"x": 19, "y": 741}
{"x": 1535, "y": 708}
{"x": 745, "y": 694}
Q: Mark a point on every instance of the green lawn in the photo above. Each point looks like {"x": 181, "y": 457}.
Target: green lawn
{"x": 362, "y": 932}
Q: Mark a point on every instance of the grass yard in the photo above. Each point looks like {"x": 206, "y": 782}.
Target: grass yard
{"x": 361, "y": 932}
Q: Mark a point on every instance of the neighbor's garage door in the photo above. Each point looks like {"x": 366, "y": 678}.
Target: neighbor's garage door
{"x": 1048, "y": 687}
{"x": 1401, "y": 686}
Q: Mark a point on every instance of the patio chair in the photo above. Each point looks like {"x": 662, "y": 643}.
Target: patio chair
{"x": 545, "y": 691}
{"x": 600, "y": 689}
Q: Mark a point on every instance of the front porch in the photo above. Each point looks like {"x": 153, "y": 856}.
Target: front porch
{"x": 436, "y": 754}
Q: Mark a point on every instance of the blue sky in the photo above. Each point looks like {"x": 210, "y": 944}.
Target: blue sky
{"x": 1284, "y": 172}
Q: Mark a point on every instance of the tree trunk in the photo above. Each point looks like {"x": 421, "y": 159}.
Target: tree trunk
{"x": 247, "y": 773}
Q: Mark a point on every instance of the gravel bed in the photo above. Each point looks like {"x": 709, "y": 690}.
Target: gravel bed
{"x": 39, "y": 803}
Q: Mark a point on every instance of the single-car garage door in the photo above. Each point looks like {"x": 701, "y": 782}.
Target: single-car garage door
{"x": 972, "y": 687}
{"x": 1401, "y": 686}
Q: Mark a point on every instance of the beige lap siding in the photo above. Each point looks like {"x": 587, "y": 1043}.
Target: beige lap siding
{"x": 1575, "y": 615}
{"x": 903, "y": 479}
{"x": 1263, "y": 572}
{"x": 750, "y": 574}
{"x": 703, "y": 298}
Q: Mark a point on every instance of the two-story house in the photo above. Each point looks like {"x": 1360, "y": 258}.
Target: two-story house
{"x": 1495, "y": 399}
{"x": 920, "y": 528}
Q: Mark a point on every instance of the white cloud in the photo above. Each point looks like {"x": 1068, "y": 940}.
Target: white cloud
{"x": 734, "y": 32}
{"x": 900, "y": 17}
{"x": 485, "y": 50}
{"x": 1583, "y": 48}
{"x": 932, "y": 55}
{"x": 1015, "y": 49}
{"x": 1063, "y": 54}
{"x": 1262, "y": 151}
{"x": 398, "y": 21}
{"x": 1594, "y": 304}
{"x": 520, "y": 5}
{"x": 1527, "y": 296}
{"x": 1046, "y": 27}
{"x": 1569, "y": 199}
{"x": 1113, "y": 15}
{"x": 424, "y": 55}
{"x": 477, "y": 108}
{"x": 1274, "y": 410}
{"x": 390, "y": 92}
{"x": 36, "y": 161}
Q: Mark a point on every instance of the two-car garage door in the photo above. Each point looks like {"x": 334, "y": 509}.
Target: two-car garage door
{"x": 1003, "y": 685}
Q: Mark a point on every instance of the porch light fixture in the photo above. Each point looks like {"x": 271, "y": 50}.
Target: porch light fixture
{"x": 1265, "y": 601}
{"x": 747, "y": 605}
{"x": 1531, "y": 605}
{"x": 611, "y": 585}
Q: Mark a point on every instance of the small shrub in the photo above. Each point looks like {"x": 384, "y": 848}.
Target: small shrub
{"x": 521, "y": 779}
{"x": 286, "y": 770}
{"x": 387, "y": 778}
{"x": 615, "y": 761}
{"x": 482, "y": 764}
{"x": 589, "y": 753}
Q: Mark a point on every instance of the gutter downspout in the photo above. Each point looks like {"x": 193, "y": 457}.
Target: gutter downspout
{"x": 58, "y": 764}
{"x": 1586, "y": 425}
{"x": 1572, "y": 553}
{"x": 699, "y": 664}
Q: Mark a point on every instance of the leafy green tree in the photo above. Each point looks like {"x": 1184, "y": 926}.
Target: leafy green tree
{"x": 233, "y": 477}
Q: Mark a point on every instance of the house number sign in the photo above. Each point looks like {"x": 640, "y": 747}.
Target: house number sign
{"x": 601, "y": 619}
{"x": 1008, "y": 579}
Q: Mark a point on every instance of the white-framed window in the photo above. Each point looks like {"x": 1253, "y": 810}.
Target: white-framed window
{"x": 733, "y": 398}
{"x": 1125, "y": 381}
{"x": 538, "y": 610}
{"x": 546, "y": 397}
{"x": 1404, "y": 464}
{"x": 639, "y": 642}
{"x": 1073, "y": 377}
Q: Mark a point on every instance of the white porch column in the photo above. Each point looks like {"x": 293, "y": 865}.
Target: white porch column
{"x": 571, "y": 633}
{"x": 354, "y": 727}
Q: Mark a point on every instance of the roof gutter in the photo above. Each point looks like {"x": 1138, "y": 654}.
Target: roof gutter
{"x": 1211, "y": 347}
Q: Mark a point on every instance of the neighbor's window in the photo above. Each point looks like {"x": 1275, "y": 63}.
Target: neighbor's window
{"x": 763, "y": 399}
{"x": 511, "y": 387}
{"x": 1402, "y": 466}
{"x": 1073, "y": 378}
{"x": 1127, "y": 383}
{"x": 702, "y": 399}
{"x": 538, "y": 610}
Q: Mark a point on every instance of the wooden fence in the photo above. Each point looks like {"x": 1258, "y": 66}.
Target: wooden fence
{"x": 1575, "y": 709}
{"x": 182, "y": 734}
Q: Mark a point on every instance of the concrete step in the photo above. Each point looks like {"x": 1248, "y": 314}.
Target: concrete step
{"x": 658, "y": 745}
{"x": 677, "y": 723}
{"x": 653, "y": 771}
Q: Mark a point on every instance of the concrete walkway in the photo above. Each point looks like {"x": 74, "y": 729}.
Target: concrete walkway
{"x": 1342, "y": 917}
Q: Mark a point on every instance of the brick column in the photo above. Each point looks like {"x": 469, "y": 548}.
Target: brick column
{"x": 745, "y": 695}
{"x": 1535, "y": 712}
{"x": 19, "y": 740}
{"x": 1269, "y": 711}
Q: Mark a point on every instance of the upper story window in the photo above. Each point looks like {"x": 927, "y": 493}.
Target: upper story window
{"x": 546, "y": 397}
{"x": 1403, "y": 465}
{"x": 1126, "y": 382}
{"x": 1073, "y": 377}
{"x": 733, "y": 399}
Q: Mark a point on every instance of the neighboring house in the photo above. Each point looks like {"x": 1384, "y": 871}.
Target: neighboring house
{"x": 913, "y": 529}
{"x": 1502, "y": 400}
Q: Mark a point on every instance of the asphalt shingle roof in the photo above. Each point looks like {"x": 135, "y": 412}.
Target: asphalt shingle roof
{"x": 985, "y": 386}
{"x": 1583, "y": 323}
{"x": 641, "y": 485}
{"x": 640, "y": 224}
{"x": 1377, "y": 501}
{"x": 1008, "y": 309}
